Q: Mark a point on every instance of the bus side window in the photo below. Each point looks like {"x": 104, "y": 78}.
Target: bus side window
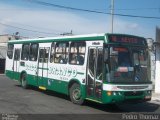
{"x": 33, "y": 52}
{"x": 25, "y": 52}
{"x": 10, "y": 51}
{"x": 77, "y": 53}
{"x": 52, "y": 53}
{"x": 61, "y": 52}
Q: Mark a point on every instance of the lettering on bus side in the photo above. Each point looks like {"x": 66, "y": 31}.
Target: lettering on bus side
{"x": 31, "y": 67}
{"x": 63, "y": 71}
{"x": 95, "y": 43}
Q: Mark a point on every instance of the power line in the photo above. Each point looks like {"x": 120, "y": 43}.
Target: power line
{"x": 31, "y": 9}
{"x": 137, "y": 9}
{"x": 26, "y": 29}
{"x": 86, "y": 10}
{"x": 34, "y": 27}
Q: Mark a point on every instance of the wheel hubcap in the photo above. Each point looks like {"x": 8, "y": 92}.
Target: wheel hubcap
{"x": 23, "y": 81}
{"x": 76, "y": 94}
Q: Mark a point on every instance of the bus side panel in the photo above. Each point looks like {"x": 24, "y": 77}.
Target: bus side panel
{"x": 9, "y": 73}
{"x": 9, "y": 66}
{"x": 59, "y": 76}
{"x": 12, "y": 64}
{"x": 57, "y": 85}
{"x": 32, "y": 80}
{"x": 31, "y": 68}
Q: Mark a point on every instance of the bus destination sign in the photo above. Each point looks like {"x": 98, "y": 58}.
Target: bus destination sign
{"x": 126, "y": 39}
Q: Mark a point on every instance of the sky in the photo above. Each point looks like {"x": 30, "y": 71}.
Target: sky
{"x": 32, "y": 19}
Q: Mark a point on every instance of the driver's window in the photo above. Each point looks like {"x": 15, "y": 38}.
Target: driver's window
{"x": 136, "y": 58}
{"x": 139, "y": 57}
{"x": 142, "y": 57}
{"x": 113, "y": 59}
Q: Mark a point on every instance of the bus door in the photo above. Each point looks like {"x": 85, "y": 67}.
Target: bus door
{"x": 43, "y": 66}
{"x": 16, "y": 63}
{"x": 95, "y": 73}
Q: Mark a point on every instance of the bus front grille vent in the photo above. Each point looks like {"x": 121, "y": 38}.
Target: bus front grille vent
{"x": 132, "y": 87}
{"x": 133, "y": 93}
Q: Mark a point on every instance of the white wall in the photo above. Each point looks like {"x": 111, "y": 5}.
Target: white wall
{"x": 157, "y": 73}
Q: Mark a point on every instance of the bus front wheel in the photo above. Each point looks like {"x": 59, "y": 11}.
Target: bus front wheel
{"x": 75, "y": 94}
{"x": 24, "y": 81}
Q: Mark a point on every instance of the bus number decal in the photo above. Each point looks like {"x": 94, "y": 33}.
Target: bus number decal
{"x": 31, "y": 67}
{"x": 63, "y": 71}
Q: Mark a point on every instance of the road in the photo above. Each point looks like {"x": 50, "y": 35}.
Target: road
{"x": 16, "y": 100}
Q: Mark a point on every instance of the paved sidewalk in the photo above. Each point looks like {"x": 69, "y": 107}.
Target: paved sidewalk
{"x": 156, "y": 96}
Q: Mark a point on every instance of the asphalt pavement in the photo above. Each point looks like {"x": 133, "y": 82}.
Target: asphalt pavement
{"x": 16, "y": 100}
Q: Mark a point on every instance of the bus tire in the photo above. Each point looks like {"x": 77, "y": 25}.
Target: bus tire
{"x": 75, "y": 94}
{"x": 24, "y": 81}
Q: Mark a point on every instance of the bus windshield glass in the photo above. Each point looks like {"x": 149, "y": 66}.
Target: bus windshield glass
{"x": 128, "y": 65}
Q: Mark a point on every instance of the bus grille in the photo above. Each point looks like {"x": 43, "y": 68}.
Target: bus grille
{"x": 132, "y": 87}
{"x": 133, "y": 93}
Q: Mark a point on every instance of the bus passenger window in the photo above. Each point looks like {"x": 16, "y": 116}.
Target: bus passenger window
{"x": 77, "y": 53}
{"x": 33, "y": 52}
{"x": 25, "y": 52}
{"x": 61, "y": 52}
{"x": 52, "y": 53}
{"x": 43, "y": 55}
{"x": 10, "y": 51}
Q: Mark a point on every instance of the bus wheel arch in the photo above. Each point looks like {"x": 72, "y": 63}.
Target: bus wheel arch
{"x": 75, "y": 92}
{"x": 23, "y": 80}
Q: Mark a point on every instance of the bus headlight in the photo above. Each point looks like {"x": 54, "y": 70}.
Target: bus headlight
{"x": 149, "y": 92}
{"x": 109, "y": 93}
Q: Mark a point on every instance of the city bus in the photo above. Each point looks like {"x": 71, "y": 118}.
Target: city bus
{"x": 104, "y": 68}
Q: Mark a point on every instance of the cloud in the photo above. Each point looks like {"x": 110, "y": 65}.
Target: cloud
{"x": 57, "y": 22}
{"x": 133, "y": 28}
{"x": 48, "y": 21}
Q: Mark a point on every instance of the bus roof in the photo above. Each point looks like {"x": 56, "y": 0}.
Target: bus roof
{"x": 106, "y": 37}
{"x": 88, "y": 37}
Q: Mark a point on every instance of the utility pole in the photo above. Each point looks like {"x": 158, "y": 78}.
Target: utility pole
{"x": 112, "y": 15}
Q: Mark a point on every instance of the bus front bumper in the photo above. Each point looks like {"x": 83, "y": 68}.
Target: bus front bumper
{"x": 126, "y": 96}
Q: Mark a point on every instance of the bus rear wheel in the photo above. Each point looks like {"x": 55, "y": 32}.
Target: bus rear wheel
{"x": 24, "y": 81}
{"x": 75, "y": 94}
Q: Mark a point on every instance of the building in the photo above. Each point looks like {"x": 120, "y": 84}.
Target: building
{"x": 3, "y": 44}
{"x": 150, "y": 42}
{"x": 3, "y": 48}
{"x": 157, "y": 63}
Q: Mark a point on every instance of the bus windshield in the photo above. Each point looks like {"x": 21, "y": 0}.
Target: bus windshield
{"x": 128, "y": 65}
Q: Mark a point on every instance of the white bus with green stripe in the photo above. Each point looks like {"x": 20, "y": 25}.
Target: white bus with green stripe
{"x": 104, "y": 68}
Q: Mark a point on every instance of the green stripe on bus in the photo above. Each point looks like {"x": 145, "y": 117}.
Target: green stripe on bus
{"x": 43, "y": 68}
{"x": 93, "y": 100}
{"x": 80, "y": 73}
{"x": 47, "y": 40}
